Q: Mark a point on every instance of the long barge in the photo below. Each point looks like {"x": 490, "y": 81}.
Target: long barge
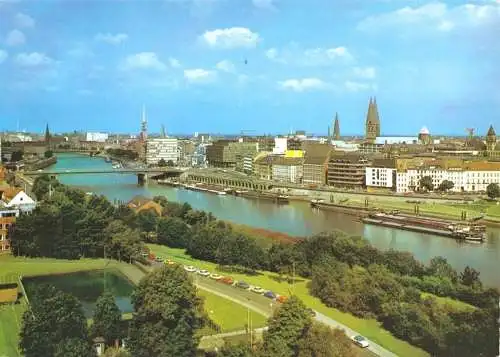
{"x": 280, "y": 199}
{"x": 460, "y": 231}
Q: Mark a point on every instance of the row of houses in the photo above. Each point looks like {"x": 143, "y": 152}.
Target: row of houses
{"x": 321, "y": 165}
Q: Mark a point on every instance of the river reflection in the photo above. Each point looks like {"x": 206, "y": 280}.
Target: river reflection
{"x": 297, "y": 218}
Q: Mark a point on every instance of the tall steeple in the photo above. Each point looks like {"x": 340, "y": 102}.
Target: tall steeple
{"x": 491, "y": 139}
{"x": 372, "y": 124}
{"x": 336, "y": 127}
{"x": 47, "y": 133}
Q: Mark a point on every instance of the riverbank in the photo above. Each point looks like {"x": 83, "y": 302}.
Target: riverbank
{"x": 41, "y": 164}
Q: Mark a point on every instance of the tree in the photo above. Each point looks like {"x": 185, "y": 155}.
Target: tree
{"x": 446, "y": 185}
{"x": 167, "y": 314}
{"x": 43, "y": 184}
{"x": 17, "y": 156}
{"x": 238, "y": 350}
{"x": 172, "y": 231}
{"x": 470, "y": 277}
{"x": 162, "y": 163}
{"x": 48, "y": 154}
{"x": 122, "y": 242}
{"x": 286, "y": 327}
{"x": 322, "y": 341}
{"x": 107, "y": 319}
{"x": 53, "y": 324}
{"x": 426, "y": 184}
{"x": 170, "y": 163}
{"x": 493, "y": 190}
{"x": 147, "y": 220}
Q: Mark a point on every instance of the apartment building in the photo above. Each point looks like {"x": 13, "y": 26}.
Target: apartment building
{"x": 316, "y": 163}
{"x": 7, "y": 218}
{"x": 347, "y": 170}
{"x": 405, "y": 174}
{"x": 230, "y": 153}
{"x": 287, "y": 169}
{"x": 162, "y": 148}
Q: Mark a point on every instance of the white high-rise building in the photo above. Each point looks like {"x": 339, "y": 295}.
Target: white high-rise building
{"x": 163, "y": 148}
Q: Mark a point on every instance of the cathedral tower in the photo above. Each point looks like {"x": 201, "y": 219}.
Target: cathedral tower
{"x": 336, "y": 127}
{"x": 372, "y": 121}
{"x": 491, "y": 139}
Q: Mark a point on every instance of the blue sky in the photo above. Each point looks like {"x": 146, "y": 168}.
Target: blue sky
{"x": 263, "y": 65}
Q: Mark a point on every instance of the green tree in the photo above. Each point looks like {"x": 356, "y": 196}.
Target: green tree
{"x": 147, "y": 220}
{"x": 426, "y": 184}
{"x": 48, "y": 154}
{"x": 446, "y": 185}
{"x": 172, "y": 231}
{"x": 116, "y": 352}
{"x": 286, "y": 327}
{"x": 167, "y": 314}
{"x": 470, "y": 277}
{"x": 322, "y": 341}
{"x": 42, "y": 184}
{"x": 106, "y": 322}
{"x": 493, "y": 190}
{"x": 162, "y": 163}
{"x": 170, "y": 163}
{"x": 52, "y": 324}
{"x": 122, "y": 242}
{"x": 238, "y": 350}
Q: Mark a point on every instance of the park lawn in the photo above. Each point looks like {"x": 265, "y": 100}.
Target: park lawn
{"x": 370, "y": 328}
{"x": 10, "y": 322}
{"x": 229, "y": 315}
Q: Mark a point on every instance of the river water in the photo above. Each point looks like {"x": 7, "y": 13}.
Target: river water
{"x": 297, "y": 218}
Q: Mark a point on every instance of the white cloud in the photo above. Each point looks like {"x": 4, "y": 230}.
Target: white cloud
{"x": 175, "y": 63}
{"x": 310, "y": 56}
{"x": 264, "y": 4}
{"x": 233, "y": 37}
{"x": 199, "y": 75}
{"x": 23, "y": 20}
{"x": 15, "y": 38}
{"x": 33, "y": 59}
{"x": 226, "y": 66}
{"x": 115, "y": 39}
{"x": 365, "y": 72}
{"x": 3, "y": 55}
{"x": 357, "y": 86}
{"x": 436, "y": 15}
{"x": 302, "y": 85}
{"x": 143, "y": 60}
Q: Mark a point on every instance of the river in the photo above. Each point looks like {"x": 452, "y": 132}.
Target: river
{"x": 297, "y": 218}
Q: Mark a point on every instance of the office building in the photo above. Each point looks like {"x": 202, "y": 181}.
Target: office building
{"x": 162, "y": 149}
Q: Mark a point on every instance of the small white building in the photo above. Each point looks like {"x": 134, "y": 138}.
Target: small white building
{"x": 383, "y": 177}
{"x": 19, "y": 201}
{"x": 280, "y": 146}
{"x": 162, "y": 148}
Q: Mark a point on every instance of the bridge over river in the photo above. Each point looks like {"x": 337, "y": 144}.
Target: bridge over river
{"x": 142, "y": 173}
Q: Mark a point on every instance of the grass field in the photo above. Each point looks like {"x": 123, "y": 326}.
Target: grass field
{"x": 229, "y": 315}
{"x": 369, "y": 328}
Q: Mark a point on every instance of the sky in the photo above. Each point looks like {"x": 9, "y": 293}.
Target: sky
{"x": 261, "y": 66}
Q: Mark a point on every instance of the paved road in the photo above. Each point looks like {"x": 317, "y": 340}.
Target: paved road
{"x": 265, "y": 306}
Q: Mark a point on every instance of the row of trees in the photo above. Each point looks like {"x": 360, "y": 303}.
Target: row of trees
{"x": 123, "y": 153}
{"x": 346, "y": 272}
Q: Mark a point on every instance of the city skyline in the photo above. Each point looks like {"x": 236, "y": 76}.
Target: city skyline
{"x": 224, "y": 66}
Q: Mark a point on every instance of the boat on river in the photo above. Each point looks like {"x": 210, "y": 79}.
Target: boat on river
{"x": 458, "y": 230}
{"x": 107, "y": 159}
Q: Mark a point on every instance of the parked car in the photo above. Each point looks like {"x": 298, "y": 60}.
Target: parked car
{"x": 360, "y": 341}
{"x": 227, "y": 280}
{"x": 257, "y": 289}
{"x": 203, "y": 272}
{"x": 189, "y": 269}
{"x": 269, "y": 294}
{"x": 216, "y": 276}
{"x": 242, "y": 285}
{"x": 281, "y": 298}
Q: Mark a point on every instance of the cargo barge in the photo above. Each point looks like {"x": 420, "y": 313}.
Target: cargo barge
{"x": 281, "y": 199}
{"x": 460, "y": 231}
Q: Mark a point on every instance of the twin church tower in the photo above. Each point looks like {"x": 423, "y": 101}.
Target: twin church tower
{"x": 372, "y": 124}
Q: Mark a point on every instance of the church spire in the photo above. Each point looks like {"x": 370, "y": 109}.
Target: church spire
{"x": 336, "y": 127}
{"x": 47, "y": 133}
